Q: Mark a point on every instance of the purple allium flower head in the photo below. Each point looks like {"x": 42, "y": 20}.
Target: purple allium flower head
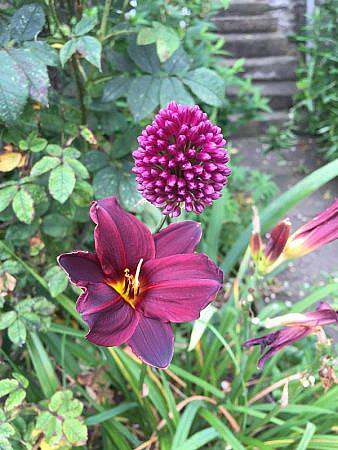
{"x": 181, "y": 160}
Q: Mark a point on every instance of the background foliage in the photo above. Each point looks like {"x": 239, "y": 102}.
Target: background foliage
{"x": 78, "y": 81}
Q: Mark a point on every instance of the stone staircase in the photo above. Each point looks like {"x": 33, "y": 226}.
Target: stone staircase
{"x": 258, "y": 30}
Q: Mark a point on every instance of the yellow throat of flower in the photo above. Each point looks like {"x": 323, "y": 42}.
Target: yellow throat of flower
{"x": 128, "y": 286}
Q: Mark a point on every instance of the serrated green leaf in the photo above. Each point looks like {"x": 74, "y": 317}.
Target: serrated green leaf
{"x": 23, "y": 206}
{"x": 21, "y": 379}
{"x": 6, "y": 319}
{"x": 71, "y": 409}
{"x": 44, "y": 165}
{"x": 80, "y": 170}
{"x": 57, "y": 280}
{"x": 207, "y": 85}
{"x": 106, "y": 182}
{"x": 146, "y": 36}
{"x": 144, "y": 96}
{"x": 7, "y": 385}
{"x": 167, "y": 41}
{"x": 15, "y": 399}
{"x": 145, "y": 56}
{"x": 54, "y": 150}
{"x": 13, "y": 88}
{"x": 44, "y": 52}
{"x": 38, "y": 144}
{"x": 56, "y": 225}
{"x": 95, "y": 160}
{"x": 6, "y": 196}
{"x": 6, "y": 430}
{"x": 27, "y": 22}
{"x": 71, "y": 152}
{"x": 172, "y": 89}
{"x": 75, "y": 431}
{"x": 68, "y": 51}
{"x": 86, "y": 24}
{"x": 17, "y": 332}
{"x": 128, "y": 194}
{"x": 178, "y": 63}
{"x": 61, "y": 183}
{"x": 116, "y": 88}
{"x": 59, "y": 399}
{"x": 90, "y": 48}
{"x": 35, "y": 72}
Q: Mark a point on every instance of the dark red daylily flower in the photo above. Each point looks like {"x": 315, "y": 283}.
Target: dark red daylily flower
{"x": 136, "y": 283}
{"x": 297, "y": 326}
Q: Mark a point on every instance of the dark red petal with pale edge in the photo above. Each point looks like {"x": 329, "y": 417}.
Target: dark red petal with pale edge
{"x": 121, "y": 240}
{"x": 81, "y": 267}
{"x": 97, "y": 297}
{"x": 112, "y": 326}
{"x": 177, "y": 238}
{"x": 153, "y": 342}
{"x": 178, "y": 287}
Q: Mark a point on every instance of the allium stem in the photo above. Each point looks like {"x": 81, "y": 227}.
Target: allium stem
{"x": 142, "y": 377}
{"x": 160, "y": 224}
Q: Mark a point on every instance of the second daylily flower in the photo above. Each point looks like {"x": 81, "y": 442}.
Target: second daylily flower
{"x": 136, "y": 283}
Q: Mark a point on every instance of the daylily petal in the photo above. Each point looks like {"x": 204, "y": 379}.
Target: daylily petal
{"x": 177, "y": 238}
{"x": 153, "y": 342}
{"x": 121, "y": 240}
{"x": 97, "y": 297}
{"x": 178, "y": 287}
{"x": 112, "y": 326}
{"x": 81, "y": 267}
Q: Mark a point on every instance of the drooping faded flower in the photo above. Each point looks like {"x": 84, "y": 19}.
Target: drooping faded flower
{"x": 136, "y": 283}
{"x": 181, "y": 160}
{"x": 297, "y": 326}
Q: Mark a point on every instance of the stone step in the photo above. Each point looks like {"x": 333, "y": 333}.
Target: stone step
{"x": 245, "y": 7}
{"x": 256, "y": 44}
{"x": 246, "y": 24}
{"x": 259, "y": 126}
{"x": 272, "y": 68}
{"x": 279, "y": 93}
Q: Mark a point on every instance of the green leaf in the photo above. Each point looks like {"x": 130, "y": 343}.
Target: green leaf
{"x": 35, "y": 72}
{"x": 13, "y": 88}
{"x": 128, "y": 194}
{"x": 6, "y": 196}
{"x": 116, "y": 88}
{"x": 71, "y": 410}
{"x": 43, "y": 52}
{"x": 146, "y": 36}
{"x": 95, "y": 160}
{"x": 50, "y": 426}
{"x": 17, "y": 332}
{"x": 21, "y": 379}
{"x": 61, "y": 183}
{"x": 80, "y": 170}
{"x": 178, "y": 63}
{"x": 167, "y": 41}
{"x": 172, "y": 89}
{"x": 6, "y": 319}
{"x": 86, "y": 24}
{"x": 68, "y": 51}
{"x": 59, "y": 399}
{"x": 106, "y": 182}
{"x": 279, "y": 207}
{"x": 145, "y": 57}
{"x": 207, "y": 85}
{"x": 143, "y": 96}
{"x": 23, "y": 206}
{"x": 15, "y": 399}
{"x": 307, "y": 436}
{"x": 54, "y": 150}
{"x": 199, "y": 439}
{"x": 44, "y": 165}
{"x": 90, "y": 48}
{"x": 71, "y": 152}
{"x": 7, "y": 385}
{"x": 42, "y": 365}
{"x": 75, "y": 431}
{"x": 57, "y": 280}
{"x": 38, "y": 144}
{"x": 185, "y": 423}
{"x": 56, "y": 225}
{"x": 27, "y": 22}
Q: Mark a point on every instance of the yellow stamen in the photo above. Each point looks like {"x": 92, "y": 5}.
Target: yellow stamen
{"x": 129, "y": 286}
